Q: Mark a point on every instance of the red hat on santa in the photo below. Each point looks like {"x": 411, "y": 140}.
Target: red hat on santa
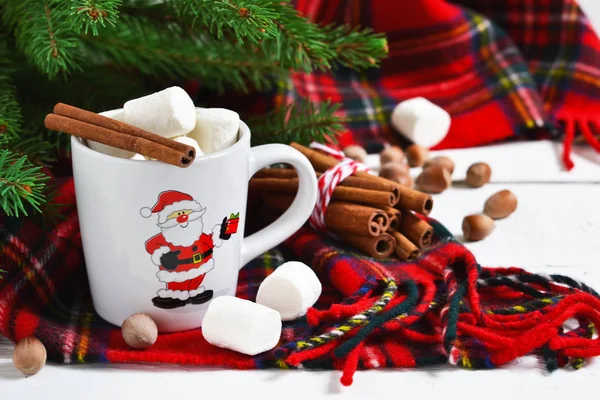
{"x": 170, "y": 201}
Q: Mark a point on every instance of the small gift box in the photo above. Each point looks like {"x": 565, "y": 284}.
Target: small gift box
{"x": 232, "y": 223}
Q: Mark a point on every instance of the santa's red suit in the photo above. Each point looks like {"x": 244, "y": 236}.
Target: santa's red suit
{"x": 187, "y": 264}
{"x": 194, "y": 261}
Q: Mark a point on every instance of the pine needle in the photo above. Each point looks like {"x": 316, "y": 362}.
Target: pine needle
{"x": 21, "y": 184}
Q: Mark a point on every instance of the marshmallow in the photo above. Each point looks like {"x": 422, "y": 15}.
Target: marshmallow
{"x": 168, "y": 113}
{"x": 291, "y": 289}
{"x": 421, "y": 121}
{"x": 109, "y": 150}
{"x": 241, "y": 325}
{"x": 216, "y": 129}
{"x": 138, "y": 157}
{"x": 190, "y": 142}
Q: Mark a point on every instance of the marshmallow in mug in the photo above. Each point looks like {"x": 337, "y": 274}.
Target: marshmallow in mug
{"x": 109, "y": 150}
{"x": 421, "y": 121}
{"x": 241, "y": 325}
{"x": 290, "y": 290}
{"x": 169, "y": 113}
{"x": 216, "y": 129}
{"x": 190, "y": 142}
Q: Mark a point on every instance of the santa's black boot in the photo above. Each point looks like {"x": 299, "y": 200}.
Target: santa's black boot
{"x": 165, "y": 302}
{"x": 202, "y": 297}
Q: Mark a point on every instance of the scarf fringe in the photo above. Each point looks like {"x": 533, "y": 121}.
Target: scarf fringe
{"x": 471, "y": 335}
{"x": 578, "y": 124}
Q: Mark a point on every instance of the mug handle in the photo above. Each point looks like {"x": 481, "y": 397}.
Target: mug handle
{"x": 295, "y": 216}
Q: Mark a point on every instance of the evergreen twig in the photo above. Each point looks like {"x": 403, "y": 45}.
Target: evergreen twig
{"x": 86, "y": 15}
{"x": 356, "y": 48}
{"x": 277, "y": 28}
{"x": 44, "y": 35}
{"x": 301, "y": 122}
{"x": 245, "y": 19}
{"x": 21, "y": 184}
{"x": 10, "y": 111}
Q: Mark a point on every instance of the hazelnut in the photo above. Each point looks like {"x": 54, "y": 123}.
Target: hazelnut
{"x": 478, "y": 174}
{"x": 396, "y": 172}
{"x": 442, "y": 161}
{"x": 501, "y": 204}
{"x": 355, "y": 152}
{"x": 434, "y": 179}
{"x": 417, "y": 155}
{"x": 477, "y": 227}
{"x": 393, "y": 154}
{"x": 139, "y": 331}
{"x": 29, "y": 356}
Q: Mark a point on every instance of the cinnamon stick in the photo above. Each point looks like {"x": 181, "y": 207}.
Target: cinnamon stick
{"x": 340, "y": 216}
{"x": 118, "y": 126}
{"x": 381, "y": 246}
{"x": 415, "y": 229}
{"x": 343, "y": 193}
{"x": 120, "y": 140}
{"x": 352, "y": 181}
{"x": 405, "y": 250}
{"x": 416, "y": 201}
{"x": 410, "y": 199}
{"x": 395, "y": 217}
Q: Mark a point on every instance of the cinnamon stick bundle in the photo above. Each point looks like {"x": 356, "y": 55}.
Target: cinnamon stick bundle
{"x": 395, "y": 217}
{"x": 405, "y": 249}
{"x": 97, "y": 128}
{"x": 381, "y": 246}
{"x": 415, "y": 229}
{"x": 351, "y": 181}
{"x": 343, "y": 193}
{"x": 410, "y": 199}
{"x": 340, "y": 216}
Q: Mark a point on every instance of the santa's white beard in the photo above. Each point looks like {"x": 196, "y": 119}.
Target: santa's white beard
{"x": 179, "y": 236}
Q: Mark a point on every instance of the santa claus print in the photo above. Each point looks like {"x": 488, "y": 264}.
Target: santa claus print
{"x": 182, "y": 251}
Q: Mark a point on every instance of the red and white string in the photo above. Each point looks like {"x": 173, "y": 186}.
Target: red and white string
{"x": 328, "y": 182}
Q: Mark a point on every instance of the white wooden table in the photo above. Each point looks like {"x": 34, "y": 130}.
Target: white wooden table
{"x": 555, "y": 229}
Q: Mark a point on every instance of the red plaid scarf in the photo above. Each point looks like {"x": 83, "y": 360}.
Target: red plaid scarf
{"x": 442, "y": 308}
{"x": 504, "y": 69}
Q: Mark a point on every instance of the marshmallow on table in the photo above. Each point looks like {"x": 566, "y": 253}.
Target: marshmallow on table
{"x": 241, "y": 325}
{"x": 291, "y": 289}
{"x": 421, "y": 121}
{"x": 216, "y": 129}
{"x": 169, "y": 113}
{"x": 109, "y": 150}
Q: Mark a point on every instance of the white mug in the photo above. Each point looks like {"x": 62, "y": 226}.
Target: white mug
{"x": 164, "y": 240}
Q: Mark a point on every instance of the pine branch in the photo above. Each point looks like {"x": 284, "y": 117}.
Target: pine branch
{"x": 356, "y": 48}
{"x": 44, "y": 35}
{"x": 86, "y": 15}
{"x": 10, "y": 111}
{"x": 279, "y": 29}
{"x": 33, "y": 145}
{"x": 21, "y": 184}
{"x": 301, "y": 122}
{"x": 253, "y": 20}
{"x": 134, "y": 44}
